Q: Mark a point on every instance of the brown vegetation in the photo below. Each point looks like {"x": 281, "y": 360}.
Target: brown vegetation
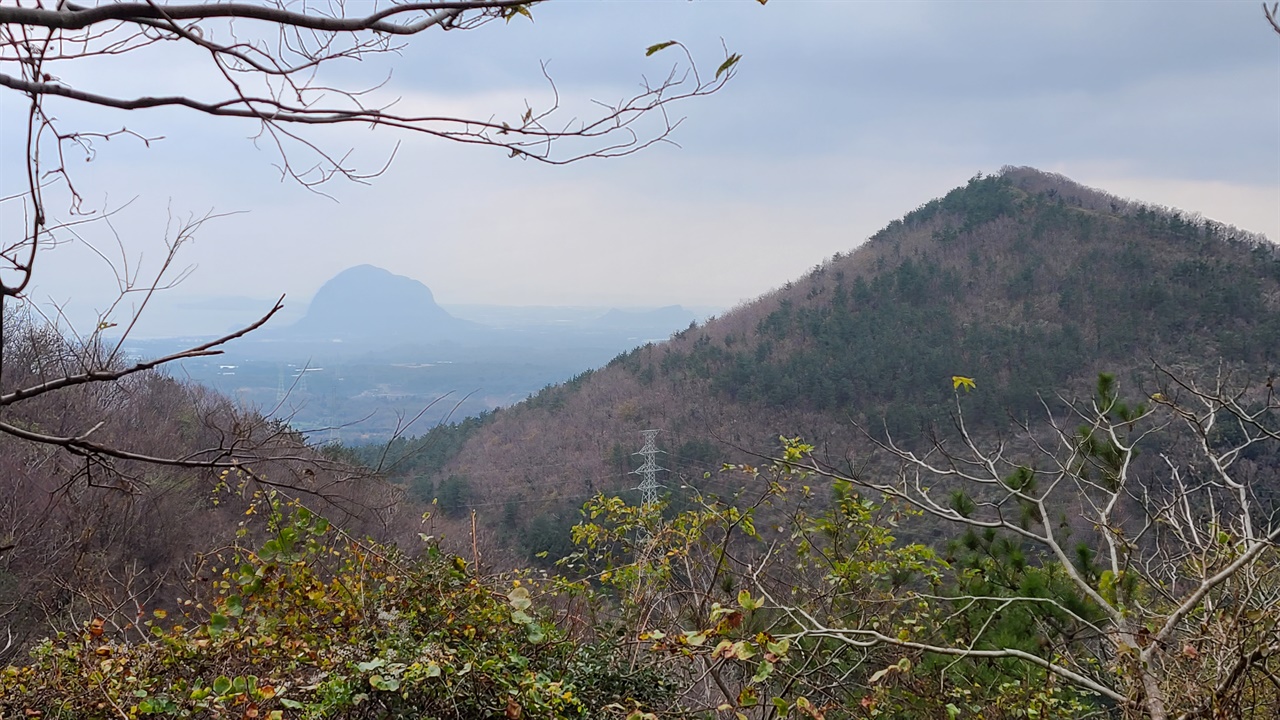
{"x": 1009, "y": 263}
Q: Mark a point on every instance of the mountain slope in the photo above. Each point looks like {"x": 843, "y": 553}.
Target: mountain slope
{"x": 1024, "y": 281}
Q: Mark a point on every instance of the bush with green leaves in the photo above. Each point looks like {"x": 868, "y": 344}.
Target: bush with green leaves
{"x": 727, "y": 595}
{"x": 313, "y": 623}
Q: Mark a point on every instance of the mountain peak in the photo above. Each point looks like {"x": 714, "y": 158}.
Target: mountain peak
{"x": 1025, "y": 281}
{"x": 369, "y": 303}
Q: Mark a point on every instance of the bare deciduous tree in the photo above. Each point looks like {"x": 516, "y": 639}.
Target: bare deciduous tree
{"x": 1157, "y": 517}
{"x": 269, "y": 64}
{"x": 81, "y": 425}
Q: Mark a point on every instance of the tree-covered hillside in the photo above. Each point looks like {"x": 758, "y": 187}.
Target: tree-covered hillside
{"x": 1019, "y": 279}
{"x": 1112, "y": 557}
{"x": 128, "y": 480}
{"x": 1024, "y": 281}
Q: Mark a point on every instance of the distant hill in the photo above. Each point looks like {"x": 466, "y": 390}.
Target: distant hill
{"x": 660, "y": 321}
{"x": 374, "y": 348}
{"x": 208, "y": 316}
{"x": 372, "y": 305}
{"x": 1025, "y": 281}
{"x": 581, "y": 320}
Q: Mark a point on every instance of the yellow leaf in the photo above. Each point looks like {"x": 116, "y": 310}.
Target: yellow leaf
{"x": 958, "y": 381}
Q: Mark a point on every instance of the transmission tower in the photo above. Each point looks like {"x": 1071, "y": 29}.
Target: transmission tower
{"x": 648, "y": 472}
{"x": 332, "y": 430}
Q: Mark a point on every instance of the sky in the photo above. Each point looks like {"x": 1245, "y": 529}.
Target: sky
{"x": 842, "y": 116}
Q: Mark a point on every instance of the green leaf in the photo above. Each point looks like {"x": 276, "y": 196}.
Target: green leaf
{"x": 270, "y": 549}
{"x": 728, "y": 63}
{"x": 222, "y": 685}
{"x": 217, "y": 624}
{"x": 389, "y": 684}
{"x": 660, "y": 46}
{"x": 953, "y": 712}
{"x": 746, "y": 602}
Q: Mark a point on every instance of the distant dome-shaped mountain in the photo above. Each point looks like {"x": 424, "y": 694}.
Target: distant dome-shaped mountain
{"x": 368, "y": 303}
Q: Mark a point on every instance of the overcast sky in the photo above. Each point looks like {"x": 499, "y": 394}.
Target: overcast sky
{"x": 843, "y": 116}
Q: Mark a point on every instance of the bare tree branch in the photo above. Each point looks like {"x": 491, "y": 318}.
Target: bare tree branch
{"x": 202, "y": 350}
{"x": 72, "y": 16}
{"x": 1178, "y": 553}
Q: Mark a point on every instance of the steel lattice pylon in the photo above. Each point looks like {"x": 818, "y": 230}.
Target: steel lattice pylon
{"x": 648, "y": 472}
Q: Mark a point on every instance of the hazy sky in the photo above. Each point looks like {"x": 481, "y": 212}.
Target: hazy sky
{"x": 844, "y": 116}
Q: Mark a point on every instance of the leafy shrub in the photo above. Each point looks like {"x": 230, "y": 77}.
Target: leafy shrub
{"x": 316, "y": 624}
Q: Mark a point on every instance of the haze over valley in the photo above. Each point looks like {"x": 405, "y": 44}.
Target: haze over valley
{"x": 373, "y": 351}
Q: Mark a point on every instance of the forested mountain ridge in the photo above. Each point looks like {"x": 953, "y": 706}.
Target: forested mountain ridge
{"x": 1025, "y": 281}
{"x": 1019, "y": 284}
{"x": 1022, "y": 279}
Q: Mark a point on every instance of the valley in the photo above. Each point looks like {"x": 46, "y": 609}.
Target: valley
{"x": 338, "y": 376}
{"x": 952, "y": 429}
{"x": 520, "y": 360}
